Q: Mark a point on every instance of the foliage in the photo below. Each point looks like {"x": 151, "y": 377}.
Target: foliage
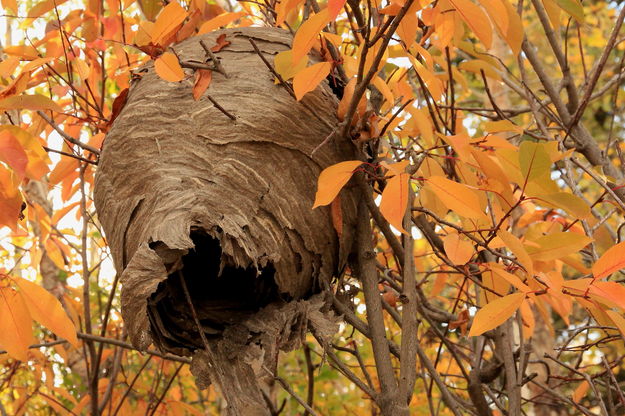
{"x": 491, "y": 176}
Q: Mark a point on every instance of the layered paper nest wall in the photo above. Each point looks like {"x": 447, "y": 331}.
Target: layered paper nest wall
{"x": 184, "y": 192}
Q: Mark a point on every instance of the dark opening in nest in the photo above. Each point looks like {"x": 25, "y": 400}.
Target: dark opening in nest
{"x": 220, "y": 297}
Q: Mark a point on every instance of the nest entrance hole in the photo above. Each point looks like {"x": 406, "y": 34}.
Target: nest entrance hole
{"x": 220, "y": 299}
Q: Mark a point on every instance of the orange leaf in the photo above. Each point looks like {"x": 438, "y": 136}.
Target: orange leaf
{"x": 476, "y": 19}
{"x": 514, "y": 35}
{"x": 556, "y": 245}
{"x": 12, "y": 153}
{"x": 408, "y": 26}
{"x": 10, "y": 4}
{"x": 8, "y": 66}
{"x": 508, "y": 277}
{"x": 307, "y": 34}
{"x": 495, "y": 313}
{"x": 337, "y": 216}
{"x": 395, "y": 200}
{"x": 348, "y": 93}
{"x": 167, "y": 22}
{"x": 17, "y": 86}
{"x": 66, "y": 166}
{"x": 457, "y": 197}
{"x": 203, "y": 79}
{"x": 384, "y": 89}
{"x": 334, "y": 7}
{"x": 518, "y": 249}
{"x": 29, "y": 102}
{"x": 23, "y": 51}
{"x": 610, "y": 262}
{"x": 220, "y": 43}
{"x": 47, "y": 310}
{"x": 331, "y": 181}
{"x": 10, "y": 199}
{"x": 16, "y": 325}
{"x": 498, "y": 14}
{"x": 580, "y": 391}
{"x": 168, "y": 68}
{"x": 308, "y": 79}
{"x": 458, "y": 251}
{"x": 219, "y": 21}
{"x": 55, "y": 253}
{"x": 44, "y": 7}
{"x": 283, "y": 8}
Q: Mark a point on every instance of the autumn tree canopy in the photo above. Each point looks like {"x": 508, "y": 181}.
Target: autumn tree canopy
{"x": 486, "y": 165}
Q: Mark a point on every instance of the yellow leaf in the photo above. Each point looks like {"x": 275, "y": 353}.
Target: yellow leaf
{"x": 307, "y": 34}
{"x": 572, "y": 204}
{"x": 219, "y": 21}
{"x": 556, "y": 245}
{"x": 308, "y": 79}
{"x": 518, "y": 249}
{"x": 495, "y": 313}
{"x": 502, "y": 125}
{"x": 395, "y": 200}
{"x": 16, "y": 325}
{"x": 167, "y": 22}
{"x": 476, "y": 19}
{"x": 459, "y": 251}
{"x": 168, "y": 67}
{"x": 457, "y": 197}
{"x": 534, "y": 161}
{"x": 47, "y": 310}
{"x": 331, "y": 181}
{"x": 477, "y": 66}
{"x": 610, "y": 262}
{"x": 29, "y": 102}
{"x": 283, "y": 64}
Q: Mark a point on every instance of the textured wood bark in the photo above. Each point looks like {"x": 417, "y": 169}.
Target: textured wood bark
{"x": 182, "y": 187}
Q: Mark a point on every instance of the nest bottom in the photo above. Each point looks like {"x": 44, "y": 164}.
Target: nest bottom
{"x": 221, "y": 298}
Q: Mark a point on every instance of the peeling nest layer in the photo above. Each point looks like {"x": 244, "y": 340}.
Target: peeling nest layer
{"x": 184, "y": 192}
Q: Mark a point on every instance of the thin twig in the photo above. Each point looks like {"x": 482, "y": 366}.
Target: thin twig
{"x": 220, "y": 108}
{"x": 82, "y": 159}
{"x": 289, "y": 390}
{"x": 286, "y": 86}
{"x": 218, "y": 67}
{"x": 65, "y": 135}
